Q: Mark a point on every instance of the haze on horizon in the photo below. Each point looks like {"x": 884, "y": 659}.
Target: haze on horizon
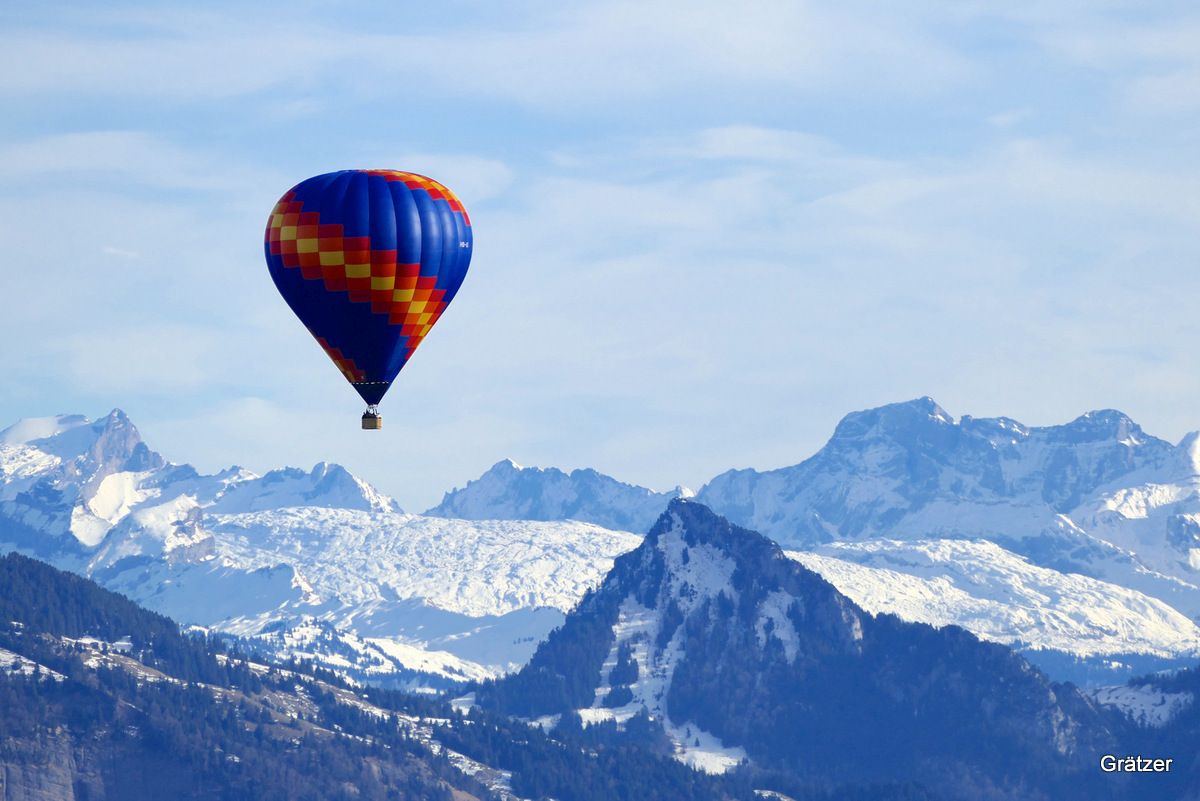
{"x": 703, "y": 233}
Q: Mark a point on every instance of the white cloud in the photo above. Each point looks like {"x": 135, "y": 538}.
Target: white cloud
{"x": 153, "y": 360}
{"x": 575, "y": 56}
{"x": 1176, "y": 92}
{"x": 1009, "y": 118}
{"x": 208, "y": 60}
{"x": 474, "y": 179}
{"x": 1152, "y": 59}
{"x": 136, "y": 157}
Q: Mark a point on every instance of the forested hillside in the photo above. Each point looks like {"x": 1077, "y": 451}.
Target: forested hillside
{"x": 100, "y": 699}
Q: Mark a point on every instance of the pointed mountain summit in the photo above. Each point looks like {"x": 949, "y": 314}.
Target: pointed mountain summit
{"x": 508, "y": 491}
{"x": 92, "y": 449}
{"x": 68, "y": 481}
{"x": 740, "y": 652}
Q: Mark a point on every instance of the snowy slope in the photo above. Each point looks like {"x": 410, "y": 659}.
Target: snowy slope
{"x": 473, "y": 568}
{"x": 27, "y": 430}
{"x": 1000, "y": 596}
{"x": 485, "y": 592}
{"x": 373, "y": 659}
{"x": 1144, "y": 704}
{"x": 1097, "y": 496}
{"x": 509, "y": 491}
{"x": 15, "y": 664}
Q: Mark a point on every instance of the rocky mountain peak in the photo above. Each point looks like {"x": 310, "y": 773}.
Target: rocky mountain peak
{"x": 118, "y": 446}
{"x": 1104, "y": 425}
{"x": 920, "y": 416}
{"x": 90, "y": 449}
{"x": 694, "y": 524}
{"x": 509, "y": 491}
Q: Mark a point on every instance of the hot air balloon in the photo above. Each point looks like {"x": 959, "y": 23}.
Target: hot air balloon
{"x": 368, "y": 260}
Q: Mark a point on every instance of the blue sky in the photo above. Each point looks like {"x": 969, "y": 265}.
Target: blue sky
{"x": 704, "y": 231}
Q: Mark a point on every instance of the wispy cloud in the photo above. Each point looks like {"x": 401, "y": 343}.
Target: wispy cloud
{"x": 1152, "y": 60}
{"x": 138, "y": 158}
{"x": 578, "y": 56}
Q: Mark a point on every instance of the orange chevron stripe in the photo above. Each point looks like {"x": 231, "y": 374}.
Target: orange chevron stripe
{"x": 343, "y": 362}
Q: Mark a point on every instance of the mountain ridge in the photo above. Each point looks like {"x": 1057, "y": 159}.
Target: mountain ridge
{"x": 244, "y": 552}
{"x": 508, "y": 490}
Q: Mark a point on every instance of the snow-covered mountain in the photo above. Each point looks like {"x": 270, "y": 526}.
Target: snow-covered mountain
{"x": 299, "y": 559}
{"x": 739, "y": 652}
{"x": 1096, "y": 496}
{"x": 1037, "y": 510}
{"x": 509, "y": 491}
{"x": 68, "y": 478}
{"x": 910, "y": 467}
{"x": 905, "y": 511}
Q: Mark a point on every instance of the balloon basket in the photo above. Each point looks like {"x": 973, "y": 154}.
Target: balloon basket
{"x": 372, "y": 420}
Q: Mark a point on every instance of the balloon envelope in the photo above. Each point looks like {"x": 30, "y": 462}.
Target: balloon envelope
{"x": 368, "y": 260}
